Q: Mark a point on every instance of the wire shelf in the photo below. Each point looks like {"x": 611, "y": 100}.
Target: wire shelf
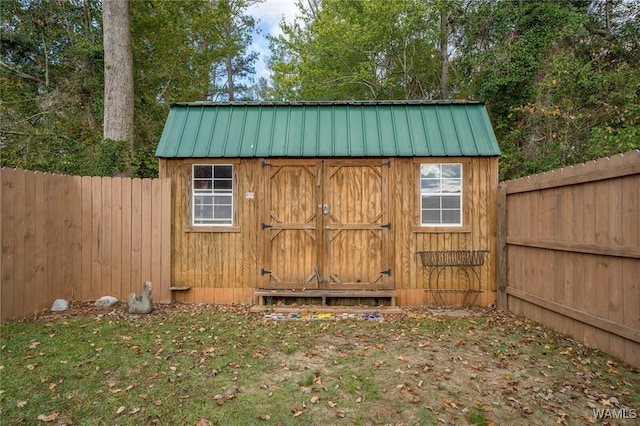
{"x": 453, "y": 258}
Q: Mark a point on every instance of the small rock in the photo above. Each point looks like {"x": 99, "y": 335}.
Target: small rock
{"x": 106, "y": 302}
{"x": 59, "y": 305}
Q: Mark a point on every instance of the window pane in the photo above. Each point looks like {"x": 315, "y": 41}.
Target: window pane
{"x": 222, "y": 200}
{"x": 452, "y": 170}
{"x": 451, "y": 185}
{"x": 203, "y": 200}
{"x": 431, "y": 171}
{"x": 451, "y": 202}
{"x": 222, "y": 212}
{"x": 450, "y": 216}
{"x": 223, "y": 184}
{"x": 202, "y": 184}
{"x": 431, "y": 202}
{"x": 223, "y": 171}
{"x": 202, "y": 172}
{"x": 430, "y": 217}
{"x": 430, "y": 185}
{"x": 204, "y": 212}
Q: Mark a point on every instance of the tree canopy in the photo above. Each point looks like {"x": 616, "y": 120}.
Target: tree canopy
{"x": 560, "y": 78}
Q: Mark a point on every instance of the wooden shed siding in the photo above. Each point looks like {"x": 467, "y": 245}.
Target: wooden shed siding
{"x": 224, "y": 267}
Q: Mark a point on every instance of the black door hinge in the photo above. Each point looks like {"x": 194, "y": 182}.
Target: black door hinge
{"x": 386, "y": 225}
{"x": 387, "y": 272}
{"x": 264, "y": 271}
{"x": 265, "y": 164}
{"x": 265, "y": 226}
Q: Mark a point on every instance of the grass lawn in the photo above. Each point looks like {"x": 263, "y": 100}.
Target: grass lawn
{"x": 204, "y": 365}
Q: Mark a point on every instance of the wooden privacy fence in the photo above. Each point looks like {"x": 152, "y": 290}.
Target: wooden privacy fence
{"x": 81, "y": 238}
{"x": 569, "y": 252}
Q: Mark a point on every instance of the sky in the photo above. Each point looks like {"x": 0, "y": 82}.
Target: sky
{"x": 269, "y": 14}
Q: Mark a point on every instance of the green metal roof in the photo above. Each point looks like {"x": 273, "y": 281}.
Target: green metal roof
{"x": 327, "y": 129}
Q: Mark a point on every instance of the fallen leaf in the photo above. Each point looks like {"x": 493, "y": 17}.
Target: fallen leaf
{"x": 331, "y": 404}
{"x": 135, "y": 410}
{"x": 52, "y": 386}
{"x": 51, "y": 417}
{"x": 34, "y": 345}
{"x": 203, "y": 422}
{"x": 297, "y": 413}
{"x": 263, "y": 417}
{"x": 120, "y": 410}
{"x": 157, "y": 402}
{"x": 21, "y": 404}
{"x": 315, "y": 399}
{"x": 340, "y": 413}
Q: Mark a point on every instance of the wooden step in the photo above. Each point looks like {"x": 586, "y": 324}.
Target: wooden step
{"x": 323, "y": 294}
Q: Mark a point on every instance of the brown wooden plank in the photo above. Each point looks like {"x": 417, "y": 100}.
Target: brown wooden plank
{"x": 136, "y": 233}
{"x": 75, "y": 233}
{"x": 501, "y": 251}
{"x": 96, "y": 239}
{"x": 29, "y": 236}
{"x": 602, "y": 172}
{"x": 87, "y": 243}
{"x": 165, "y": 255}
{"x": 116, "y": 239}
{"x": 156, "y": 233}
{"x": 8, "y": 195}
{"x": 19, "y": 261}
{"x": 106, "y": 234}
{"x": 125, "y": 243}
{"x": 146, "y": 231}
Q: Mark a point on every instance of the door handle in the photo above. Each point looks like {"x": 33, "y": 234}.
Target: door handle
{"x": 325, "y": 209}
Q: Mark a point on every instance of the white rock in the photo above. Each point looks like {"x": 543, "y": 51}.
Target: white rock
{"x": 59, "y": 305}
{"x": 106, "y": 302}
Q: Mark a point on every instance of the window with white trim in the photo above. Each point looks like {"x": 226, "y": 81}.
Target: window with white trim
{"x": 441, "y": 194}
{"x": 212, "y": 195}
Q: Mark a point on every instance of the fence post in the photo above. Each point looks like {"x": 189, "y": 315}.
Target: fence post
{"x": 501, "y": 255}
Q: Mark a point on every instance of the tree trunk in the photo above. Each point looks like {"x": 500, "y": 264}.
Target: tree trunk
{"x": 444, "y": 55}
{"x": 229, "y": 66}
{"x": 118, "y": 72}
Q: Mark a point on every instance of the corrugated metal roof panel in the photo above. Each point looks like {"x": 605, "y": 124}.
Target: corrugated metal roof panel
{"x": 327, "y": 129}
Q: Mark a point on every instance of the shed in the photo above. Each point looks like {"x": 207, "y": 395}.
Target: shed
{"x": 380, "y": 203}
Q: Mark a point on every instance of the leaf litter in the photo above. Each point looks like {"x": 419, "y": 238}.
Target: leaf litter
{"x": 183, "y": 364}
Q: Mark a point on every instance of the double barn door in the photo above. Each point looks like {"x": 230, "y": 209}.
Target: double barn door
{"x": 325, "y": 225}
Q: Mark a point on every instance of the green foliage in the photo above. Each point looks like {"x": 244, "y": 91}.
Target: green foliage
{"x": 357, "y": 50}
{"x": 52, "y": 80}
{"x": 560, "y": 78}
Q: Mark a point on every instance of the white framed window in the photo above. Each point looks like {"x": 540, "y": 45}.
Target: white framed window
{"x": 212, "y": 195}
{"x": 441, "y": 194}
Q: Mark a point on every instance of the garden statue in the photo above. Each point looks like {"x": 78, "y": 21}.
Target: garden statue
{"x": 142, "y": 304}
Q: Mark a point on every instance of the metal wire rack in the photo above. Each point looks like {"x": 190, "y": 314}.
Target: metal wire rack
{"x": 466, "y": 260}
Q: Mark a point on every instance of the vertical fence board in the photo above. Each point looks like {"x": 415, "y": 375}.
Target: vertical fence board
{"x": 156, "y": 232}
{"x": 29, "y": 235}
{"x": 8, "y": 238}
{"x": 125, "y": 276}
{"x": 19, "y": 263}
{"x": 136, "y": 232}
{"x": 146, "y": 230}
{"x": 165, "y": 283}
{"x": 83, "y": 287}
{"x": 116, "y": 238}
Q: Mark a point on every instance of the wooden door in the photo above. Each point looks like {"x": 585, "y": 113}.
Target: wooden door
{"x": 291, "y": 225}
{"x": 325, "y": 225}
{"x": 356, "y": 226}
